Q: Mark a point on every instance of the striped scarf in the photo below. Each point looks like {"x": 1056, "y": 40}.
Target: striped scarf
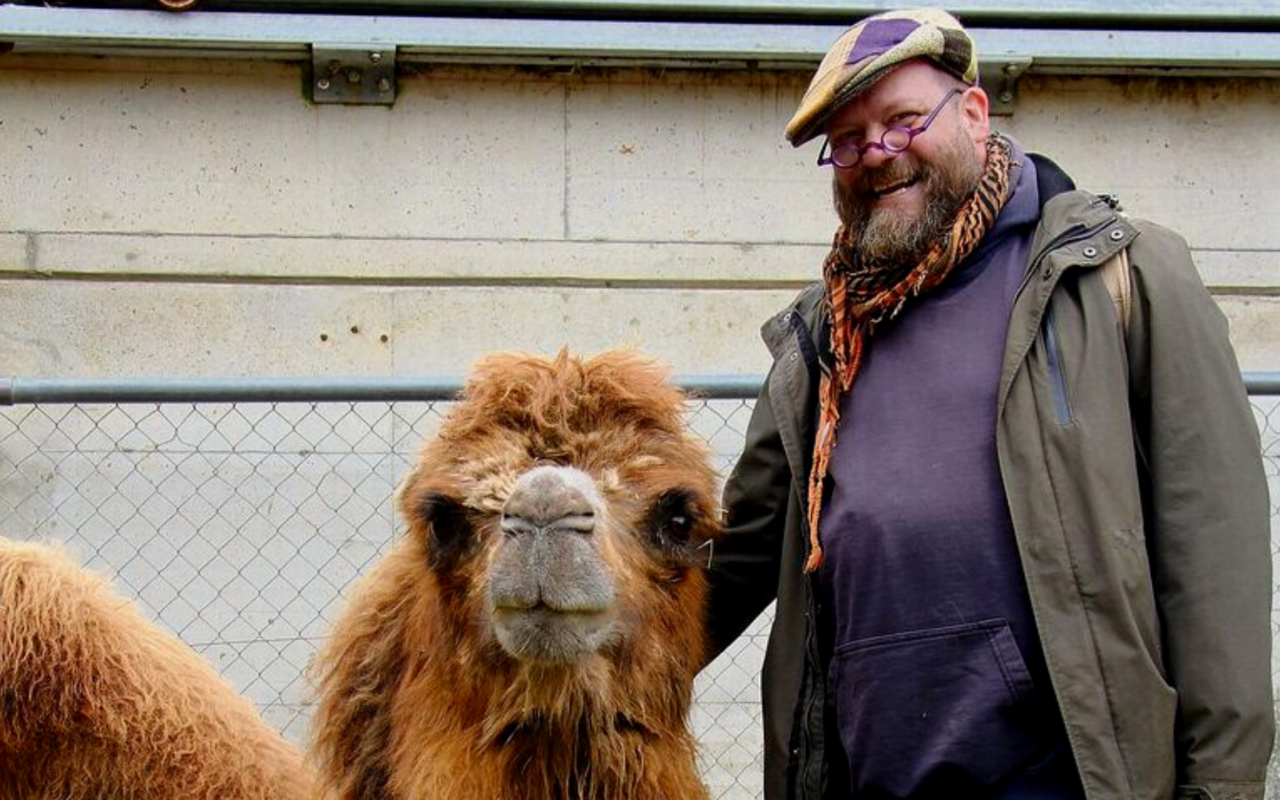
{"x": 859, "y": 297}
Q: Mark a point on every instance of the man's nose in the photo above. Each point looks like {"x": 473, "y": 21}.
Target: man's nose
{"x": 875, "y": 156}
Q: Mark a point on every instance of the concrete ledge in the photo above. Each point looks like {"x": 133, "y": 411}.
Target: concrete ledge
{"x": 59, "y": 328}
{"x": 412, "y": 261}
{"x": 510, "y": 263}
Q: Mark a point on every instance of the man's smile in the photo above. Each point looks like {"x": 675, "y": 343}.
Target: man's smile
{"x": 895, "y": 188}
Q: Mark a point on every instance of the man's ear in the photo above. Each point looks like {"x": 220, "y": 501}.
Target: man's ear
{"x": 975, "y": 110}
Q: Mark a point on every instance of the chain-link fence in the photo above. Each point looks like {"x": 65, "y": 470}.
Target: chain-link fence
{"x": 238, "y": 523}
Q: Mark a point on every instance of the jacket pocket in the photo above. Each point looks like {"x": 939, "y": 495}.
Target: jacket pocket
{"x": 1222, "y": 790}
{"x": 1057, "y": 377}
{"x": 944, "y": 709}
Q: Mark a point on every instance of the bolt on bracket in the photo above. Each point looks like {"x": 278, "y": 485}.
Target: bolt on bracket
{"x": 353, "y": 75}
{"x": 1000, "y": 79}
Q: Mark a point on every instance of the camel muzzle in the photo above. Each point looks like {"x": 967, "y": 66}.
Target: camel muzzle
{"x": 550, "y": 591}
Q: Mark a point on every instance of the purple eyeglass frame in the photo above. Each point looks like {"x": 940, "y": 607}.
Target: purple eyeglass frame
{"x": 859, "y": 149}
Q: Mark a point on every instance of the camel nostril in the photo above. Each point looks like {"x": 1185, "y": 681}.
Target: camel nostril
{"x": 512, "y": 525}
{"x": 575, "y": 523}
{"x": 579, "y": 523}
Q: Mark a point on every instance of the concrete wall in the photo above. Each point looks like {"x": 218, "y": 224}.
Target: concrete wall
{"x": 179, "y": 218}
{"x": 202, "y": 218}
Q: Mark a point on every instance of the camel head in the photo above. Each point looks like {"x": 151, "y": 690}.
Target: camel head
{"x": 537, "y": 631}
{"x": 565, "y": 506}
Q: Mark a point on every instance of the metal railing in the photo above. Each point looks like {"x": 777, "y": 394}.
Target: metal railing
{"x": 236, "y": 512}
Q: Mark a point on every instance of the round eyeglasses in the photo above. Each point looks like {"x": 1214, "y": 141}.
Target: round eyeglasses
{"x": 893, "y": 140}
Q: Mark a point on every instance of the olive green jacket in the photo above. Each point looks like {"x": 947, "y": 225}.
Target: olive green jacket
{"x": 1133, "y": 474}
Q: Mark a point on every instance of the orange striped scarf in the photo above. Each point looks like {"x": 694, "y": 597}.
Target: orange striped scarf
{"x": 859, "y": 297}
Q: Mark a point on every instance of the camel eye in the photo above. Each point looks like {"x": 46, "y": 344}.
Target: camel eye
{"x": 671, "y": 519}
{"x": 680, "y": 524}
{"x": 450, "y": 536}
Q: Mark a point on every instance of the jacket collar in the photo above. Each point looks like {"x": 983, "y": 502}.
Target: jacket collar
{"x": 1078, "y": 228}
{"x": 798, "y": 327}
{"x": 1063, "y": 207}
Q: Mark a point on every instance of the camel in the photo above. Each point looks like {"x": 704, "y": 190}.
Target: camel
{"x": 99, "y": 703}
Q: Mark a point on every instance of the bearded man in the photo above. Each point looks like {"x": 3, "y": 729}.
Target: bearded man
{"x": 1018, "y": 533}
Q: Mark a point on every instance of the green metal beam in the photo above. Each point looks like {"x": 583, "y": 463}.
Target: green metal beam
{"x": 1121, "y": 14}
{"x": 585, "y": 42}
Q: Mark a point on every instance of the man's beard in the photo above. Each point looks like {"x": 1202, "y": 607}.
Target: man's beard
{"x": 887, "y": 236}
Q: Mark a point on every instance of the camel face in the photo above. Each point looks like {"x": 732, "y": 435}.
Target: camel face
{"x": 554, "y": 565}
{"x": 560, "y": 509}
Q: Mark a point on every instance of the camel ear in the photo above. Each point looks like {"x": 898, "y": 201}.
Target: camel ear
{"x": 450, "y": 533}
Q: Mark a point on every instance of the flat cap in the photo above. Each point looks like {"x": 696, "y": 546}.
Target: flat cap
{"x": 870, "y": 50}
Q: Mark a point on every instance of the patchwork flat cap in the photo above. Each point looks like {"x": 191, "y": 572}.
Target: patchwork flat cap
{"x": 870, "y": 50}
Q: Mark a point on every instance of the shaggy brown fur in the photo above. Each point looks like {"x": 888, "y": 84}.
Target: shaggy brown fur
{"x": 419, "y": 701}
{"x": 97, "y": 703}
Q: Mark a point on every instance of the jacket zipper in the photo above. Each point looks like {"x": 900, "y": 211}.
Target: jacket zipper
{"x": 1071, "y": 235}
{"x": 1056, "y": 376}
{"x": 811, "y": 694}
{"x": 809, "y": 683}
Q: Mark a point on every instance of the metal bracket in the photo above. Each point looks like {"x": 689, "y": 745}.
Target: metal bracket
{"x": 353, "y": 75}
{"x": 1000, "y": 79}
